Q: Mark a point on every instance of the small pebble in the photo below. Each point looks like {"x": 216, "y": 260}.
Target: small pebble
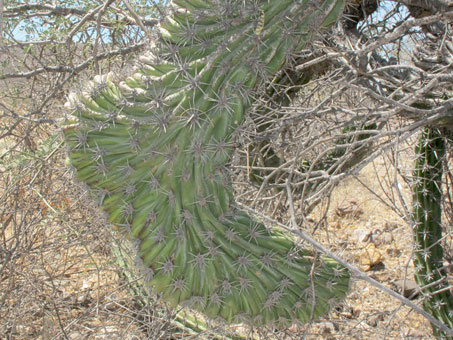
{"x": 408, "y": 289}
{"x": 382, "y": 238}
{"x": 361, "y": 235}
{"x": 370, "y": 257}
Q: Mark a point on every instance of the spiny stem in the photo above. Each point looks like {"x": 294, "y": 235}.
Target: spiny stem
{"x": 427, "y": 217}
{"x": 171, "y": 124}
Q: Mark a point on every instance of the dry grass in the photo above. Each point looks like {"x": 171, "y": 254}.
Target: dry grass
{"x": 58, "y": 276}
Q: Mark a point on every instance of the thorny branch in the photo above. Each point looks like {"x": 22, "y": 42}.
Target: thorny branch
{"x": 49, "y": 10}
{"x": 357, "y": 273}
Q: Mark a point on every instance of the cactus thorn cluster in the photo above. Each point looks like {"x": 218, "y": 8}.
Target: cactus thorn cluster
{"x": 428, "y": 234}
{"x": 154, "y": 148}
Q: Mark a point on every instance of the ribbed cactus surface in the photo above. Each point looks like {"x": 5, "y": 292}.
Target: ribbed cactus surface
{"x": 427, "y": 216}
{"x": 154, "y": 149}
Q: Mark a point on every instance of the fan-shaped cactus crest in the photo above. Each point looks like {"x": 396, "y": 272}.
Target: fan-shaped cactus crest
{"x": 154, "y": 145}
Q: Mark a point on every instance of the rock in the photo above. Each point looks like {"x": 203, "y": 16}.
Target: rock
{"x": 76, "y": 336}
{"x": 370, "y": 257}
{"x": 415, "y": 333}
{"x": 389, "y": 226}
{"x": 348, "y": 312}
{"x": 393, "y": 252}
{"x": 348, "y": 209}
{"x": 373, "y": 320}
{"x": 382, "y": 238}
{"x": 83, "y": 300}
{"x": 111, "y": 306}
{"x": 328, "y": 327}
{"x": 23, "y": 330}
{"x": 361, "y": 235}
{"x": 407, "y": 289}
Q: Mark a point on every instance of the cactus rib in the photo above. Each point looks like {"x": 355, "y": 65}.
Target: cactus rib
{"x": 427, "y": 215}
{"x": 156, "y": 146}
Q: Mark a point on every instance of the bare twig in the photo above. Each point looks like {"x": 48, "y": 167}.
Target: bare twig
{"x": 76, "y": 69}
{"x": 1, "y": 23}
{"x": 88, "y": 16}
{"x": 358, "y": 273}
{"x": 102, "y": 9}
{"x": 50, "y": 10}
{"x": 137, "y": 19}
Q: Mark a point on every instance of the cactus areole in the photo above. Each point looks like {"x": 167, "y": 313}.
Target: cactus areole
{"x": 153, "y": 149}
{"x": 427, "y": 217}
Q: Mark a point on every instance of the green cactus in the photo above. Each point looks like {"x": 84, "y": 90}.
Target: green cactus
{"x": 154, "y": 147}
{"x": 184, "y": 322}
{"x": 427, "y": 215}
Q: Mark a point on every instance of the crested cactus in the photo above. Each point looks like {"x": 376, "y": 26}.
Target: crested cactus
{"x": 427, "y": 216}
{"x": 153, "y": 148}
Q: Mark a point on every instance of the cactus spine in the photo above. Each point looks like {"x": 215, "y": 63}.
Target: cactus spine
{"x": 427, "y": 214}
{"x": 154, "y": 148}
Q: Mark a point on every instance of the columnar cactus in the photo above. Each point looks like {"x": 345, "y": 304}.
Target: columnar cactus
{"x": 153, "y": 148}
{"x": 427, "y": 216}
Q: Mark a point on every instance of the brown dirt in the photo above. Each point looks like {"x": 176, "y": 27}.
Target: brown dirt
{"x": 369, "y": 313}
